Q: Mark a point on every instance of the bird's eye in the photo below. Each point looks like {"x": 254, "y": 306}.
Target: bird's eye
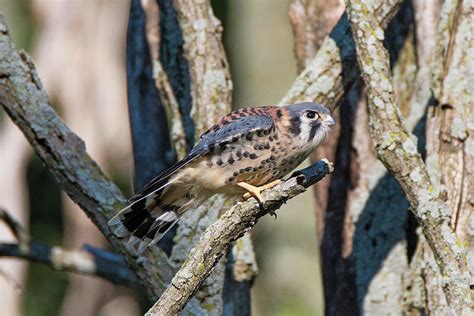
{"x": 311, "y": 115}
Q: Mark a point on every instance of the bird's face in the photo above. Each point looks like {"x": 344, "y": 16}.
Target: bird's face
{"x": 309, "y": 123}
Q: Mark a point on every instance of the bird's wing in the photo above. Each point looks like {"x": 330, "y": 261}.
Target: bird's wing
{"x": 235, "y": 126}
{"x": 230, "y": 129}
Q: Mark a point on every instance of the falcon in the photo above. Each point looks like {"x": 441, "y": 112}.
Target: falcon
{"x": 248, "y": 151}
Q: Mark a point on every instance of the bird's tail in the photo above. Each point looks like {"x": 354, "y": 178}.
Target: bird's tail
{"x": 151, "y": 215}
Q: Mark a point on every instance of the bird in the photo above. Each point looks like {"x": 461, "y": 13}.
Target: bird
{"x": 246, "y": 152}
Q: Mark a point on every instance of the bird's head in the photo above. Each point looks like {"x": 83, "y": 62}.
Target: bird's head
{"x": 309, "y": 123}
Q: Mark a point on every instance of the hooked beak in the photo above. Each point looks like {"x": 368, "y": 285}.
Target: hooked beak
{"x": 329, "y": 120}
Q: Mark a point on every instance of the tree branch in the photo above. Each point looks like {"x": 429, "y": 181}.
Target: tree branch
{"x": 218, "y": 238}
{"x": 15, "y": 227}
{"x": 63, "y": 152}
{"x": 90, "y": 260}
{"x": 334, "y": 68}
{"x": 396, "y": 148}
{"x": 311, "y": 21}
{"x": 148, "y": 119}
{"x": 211, "y": 86}
{"x": 211, "y": 90}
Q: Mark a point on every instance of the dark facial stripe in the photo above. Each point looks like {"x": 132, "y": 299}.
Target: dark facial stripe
{"x": 295, "y": 125}
{"x": 313, "y": 130}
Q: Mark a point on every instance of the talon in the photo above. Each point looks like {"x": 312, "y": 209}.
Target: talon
{"x": 255, "y": 191}
{"x": 274, "y": 214}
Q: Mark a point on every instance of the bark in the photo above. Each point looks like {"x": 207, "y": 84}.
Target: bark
{"x": 396, "y": 148}
{"x": 89, "y": 261}
{"x": 211, "y": 91}
{"x": 182, "y": 43}
{"x": 311, "y": 21}
{"x": 24, "y": 100}
{"x": 355, "y": 192}
{"x": 218, "y": 238}
{"x": 334, "y": 68}
{"x": 449, "y": 161}
{"x": 90, "y": 94}
{"x": 148, "y": 117}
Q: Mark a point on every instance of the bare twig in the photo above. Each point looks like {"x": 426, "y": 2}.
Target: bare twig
{"x": 63, "y": 152}
{"x": 88, "y": 261}
{"x": 396, "y": 148}
{"x": 16, "y": 228}
{"x": 217, "y": 239}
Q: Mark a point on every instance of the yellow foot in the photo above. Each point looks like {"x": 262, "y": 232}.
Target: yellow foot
{"x": 255, "y": 191}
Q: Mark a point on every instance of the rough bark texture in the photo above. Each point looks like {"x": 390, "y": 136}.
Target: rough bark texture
{"x": 182, "y": 44}
{"x": 211, "y": 87}
{"x": 358, "y": 257}
{"x": 396, "y": 148}
{"x": 90, "y": 94}
{"x": 211, "y": 91}
{"x": 449, "y": 160}
{"x": 218, "y": 238}
{"x": 334, "y": 68}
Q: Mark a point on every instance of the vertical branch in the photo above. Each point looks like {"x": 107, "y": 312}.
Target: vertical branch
{"x": 211, "y": 90}
{"x": 152, "y": 149}
{"x": 311, "y": 21}
{"x": 211, "y": 87}
{"x": 162, "y": 82}
{"x": 450, "y": 136}
{"x": 396, "y": 148}
{"x": 454, "y": 95}
{"x": 360, "y": 193}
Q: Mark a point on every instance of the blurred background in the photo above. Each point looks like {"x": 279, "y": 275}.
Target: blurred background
{"x": 79, "y": 50}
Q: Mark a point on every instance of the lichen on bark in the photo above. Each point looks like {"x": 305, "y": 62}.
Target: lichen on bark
{"x": 389, "y": 134}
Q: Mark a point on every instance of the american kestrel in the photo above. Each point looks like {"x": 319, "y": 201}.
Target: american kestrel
{"x": 248, "y": 151}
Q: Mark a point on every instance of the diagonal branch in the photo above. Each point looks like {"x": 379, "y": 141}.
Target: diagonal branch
{"x": 396, "y": 148}
{"x": 334, "y": 68}
{"x": 15, "y": 227}
{"x": 24, "y": 99}
{"x": 218, "y": 238}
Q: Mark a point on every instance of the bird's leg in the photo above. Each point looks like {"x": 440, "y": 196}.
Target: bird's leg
{"x": 255, "y": 191}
